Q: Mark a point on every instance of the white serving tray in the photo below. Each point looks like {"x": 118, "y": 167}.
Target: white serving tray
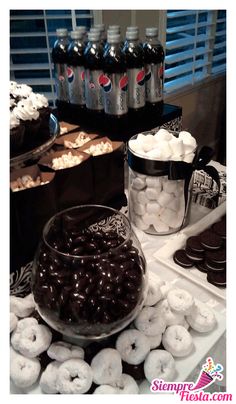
{"x": 184, "y": 366}
{"x": 165, "y": 253}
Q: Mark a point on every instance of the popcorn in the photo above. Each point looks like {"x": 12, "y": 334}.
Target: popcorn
{"x": 66, "y": 161}
{"x": 81, "y": 139}
{"x": 99, "y": 148}
{"x": 26, "y": 181}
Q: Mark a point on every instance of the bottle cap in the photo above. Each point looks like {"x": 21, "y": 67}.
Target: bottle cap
{"x": 113, "y": 38}
{"x": 132, "y": 35}
{"x": 114, "y": 27}
{"x": 94, "y": 36}
{"x": 93, "y": 29}
{"x": 81, "y": 28}
{"x": 132, "y": 28}
{"x": 113, "y": 31}
{"x": 101, "y": 27}
{"x": 76, "y": 34}
{"x": 152, "y": 31}
{"x": 62, "y": 32}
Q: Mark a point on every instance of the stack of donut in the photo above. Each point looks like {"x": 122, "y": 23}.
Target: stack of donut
{"x": 141, "y": 353}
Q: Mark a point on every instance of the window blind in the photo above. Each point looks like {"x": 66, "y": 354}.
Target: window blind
{"x": 32, "y": 35}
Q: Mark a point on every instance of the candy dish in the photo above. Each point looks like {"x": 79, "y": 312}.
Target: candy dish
{"x": 89, "y": 273}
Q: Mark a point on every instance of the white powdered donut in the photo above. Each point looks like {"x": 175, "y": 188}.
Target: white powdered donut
{"x": 13, "y": 321}
{"x": 155, "y": 341}
{"x": 177, "y": 340}
{"x": 202, "y": 318}
{"x": 23, "y": 371}
{"x": 74, "y": 376}
{"x": 32, "y": 340}
{"x": 165, "y": 288}
{"x": 106, "y": 366}
{"x": 159, "y": 364}
{"x": 163, "y": 309}
{"x": 133, "y": 346}
{"x": 144, "y": 387}
{"x": 106, "y": 389}
{"x": 154, "y": 292}
{"x": 48, "y": 380}
{"x": 21, "y": 325}
{"x": 150, "y": 322}
{"x": 22, "y": 307}
{"x": 185, "y": 324}
{"x": 180, "y": 301}
{"x": 126, "y": 385}
{"x": 62, "y": 351}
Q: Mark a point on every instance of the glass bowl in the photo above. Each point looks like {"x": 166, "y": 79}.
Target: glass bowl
{"x": 89, "y": 272}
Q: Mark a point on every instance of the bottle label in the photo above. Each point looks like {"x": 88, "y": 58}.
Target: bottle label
{"x": 115, "y": 93}
{"x": 136, "y": 79}
{"x": 75, "y": 76}
{"x": 93, "y": 89}
{"x": 154, "y": 82}
{"x": 60, "y": 74}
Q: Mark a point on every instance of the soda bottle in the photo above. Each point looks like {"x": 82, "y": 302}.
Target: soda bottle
{"x": 75, "y": 69}
{"x": 59, "y": 58}
{"x": 135, "y": 70}
{"x": 93, "y": 74}
{"x": 154, "y": 67}
{"x": 115, "y": 79}
{"x": 114, "y": 30}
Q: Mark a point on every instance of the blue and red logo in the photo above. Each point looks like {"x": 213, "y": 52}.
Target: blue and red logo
{"x": 148, "y": 74}
{"x": 61, "y": 78}
{"x": 140, "y": 78}
{"x": 105, "y": 83}
{"x": 70, "y": 74}
{"x": 123, "y": 83}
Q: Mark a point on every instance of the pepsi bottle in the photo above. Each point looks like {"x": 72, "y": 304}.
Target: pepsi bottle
{"x": 75, "y": 70}
{"x": 135, "y": 70}
{"x": 93, "y": 75}
{"x": 154, "y": 68}
{"x": 83, "y": 29}
{"x": 115, "y": 80}
{"x": 59, "y": 58}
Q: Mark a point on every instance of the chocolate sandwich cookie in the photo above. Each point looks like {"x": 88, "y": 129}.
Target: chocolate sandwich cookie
{"x": 201, "y": 266}
{"x": 217, "y": 278}
{"x": 181, "y": 259}
{"x": 210, "y": 240}
{"x": 194, "y": 256}
{"x": 220, "y": 228}
{"x": 194, "y": 243}
{"x": 217, "y": 257}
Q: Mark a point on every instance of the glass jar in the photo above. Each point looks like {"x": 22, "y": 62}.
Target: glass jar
{"x": 159, "y": 192}
{"x": 89, "y": 272}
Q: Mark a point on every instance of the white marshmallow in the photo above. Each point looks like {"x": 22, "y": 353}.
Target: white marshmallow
{"x": 177, "y": 146}
{"x": 163, "y": 134}
{"x": 148, "y": 143}
{"x": 155, "y": 154}
{"x": 170, "y": 186}
{"x": 174, "y": 204}
{"x": 139, "y": 223}
{"x": 138, "y": 183}
{"x": 153, "y": 207}
{"x": 168, "y": 216}
{"x": 188, "y": 140}
{"x": 160, "y": 226}
{"x": 188, "y": 158}
{"x": 154, "y": 182}
{"x": 135, "y": 146}
{"x": 138, "y": 209}
{"x": 142, "y": 197}
{"x": 153, "y": 193}
{"x": 164, "y": 198}
{"x": 140, "y": 138}
{"x": 177, "y": 222}
{"x": 165, "y": 149}
{"x": 149, "y": 218}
